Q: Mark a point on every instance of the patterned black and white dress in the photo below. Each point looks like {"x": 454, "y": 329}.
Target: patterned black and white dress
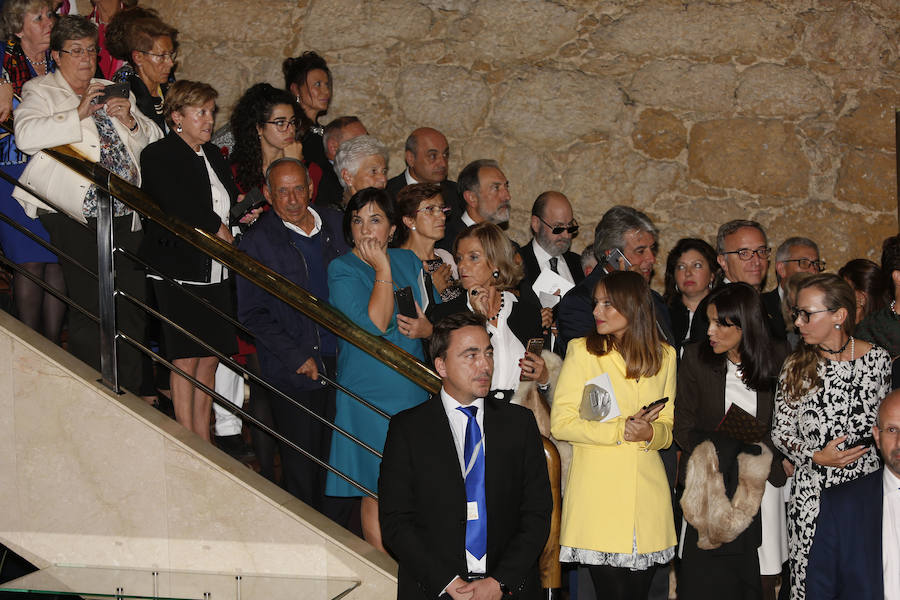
{"x": 845, "y": 404}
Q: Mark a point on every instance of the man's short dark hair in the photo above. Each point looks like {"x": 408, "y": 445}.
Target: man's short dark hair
{"x": 440, "y": 337}
{"x": 537, "y": 209}
{"x": 731, "y": 226}
{"x": 468, "y": 177}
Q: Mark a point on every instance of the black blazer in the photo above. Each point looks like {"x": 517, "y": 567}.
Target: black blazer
{"x": 177, "y": 180}
{"x": 524, "y": 320}
{"x": 772, "y": 302}
{"x": 700, "y": 407}
{"x": 533, "y": 270}
{"x": 422, "y": 499}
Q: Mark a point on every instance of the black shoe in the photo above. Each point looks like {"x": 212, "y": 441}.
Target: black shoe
{"x": 235, "y": 446}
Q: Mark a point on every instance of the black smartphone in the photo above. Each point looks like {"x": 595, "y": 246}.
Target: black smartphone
{"x": 116, "y": 90}
{"x": 656, "y": 403}
{"x": 252, "y": 200}
{"x": 535, "y": 346}
{"x": 406, "y": 304}
{"x": 867, "y": 442}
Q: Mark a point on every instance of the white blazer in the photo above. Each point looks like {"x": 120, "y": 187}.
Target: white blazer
{"x": 48, "y": 117}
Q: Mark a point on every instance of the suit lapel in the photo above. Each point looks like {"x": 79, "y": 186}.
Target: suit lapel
{"x": 440, "y": 438}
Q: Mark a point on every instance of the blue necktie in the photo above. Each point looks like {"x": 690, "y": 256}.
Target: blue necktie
{"x": 473, "y": 456}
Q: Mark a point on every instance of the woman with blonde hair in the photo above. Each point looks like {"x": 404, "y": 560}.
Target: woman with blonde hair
{"x": 614, "y": 402}
{"x": 489, "y": 272}
{"x": 825, "y": 407}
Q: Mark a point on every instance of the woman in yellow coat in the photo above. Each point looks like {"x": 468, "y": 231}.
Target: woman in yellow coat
{"x": 617, "y": 512}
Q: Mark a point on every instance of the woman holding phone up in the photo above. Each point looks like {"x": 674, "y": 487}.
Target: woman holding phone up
{"x": 614, "y": 403}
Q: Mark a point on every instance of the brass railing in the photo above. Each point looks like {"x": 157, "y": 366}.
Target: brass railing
{"x": 261, "y": 276}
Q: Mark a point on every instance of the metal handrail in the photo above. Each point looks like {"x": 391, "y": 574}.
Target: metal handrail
{"x": 270, "y": 281}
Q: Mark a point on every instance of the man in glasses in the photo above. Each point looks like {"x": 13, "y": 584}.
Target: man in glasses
{"x": 744, "y": 256}
{"x": 427, "y": 155}
{"x": 794, "y": 255}
{"x": 553, "y": 227}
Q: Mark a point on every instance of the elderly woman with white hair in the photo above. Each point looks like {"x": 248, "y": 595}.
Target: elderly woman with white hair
{"x": 360, "y": 163}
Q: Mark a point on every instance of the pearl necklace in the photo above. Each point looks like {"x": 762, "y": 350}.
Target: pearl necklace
{"x": 40, "y": 63}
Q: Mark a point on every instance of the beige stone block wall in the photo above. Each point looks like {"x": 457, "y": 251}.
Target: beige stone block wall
{"x": 92, "y": 478}
{"x": 695, "y": 112}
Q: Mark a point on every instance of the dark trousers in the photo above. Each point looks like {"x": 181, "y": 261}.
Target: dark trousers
{"x": 301, "y": 476}
{"x": 618, "y": 583}
{"x": 84, "y": 334}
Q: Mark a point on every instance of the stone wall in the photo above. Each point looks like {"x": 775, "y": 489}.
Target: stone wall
{"x": 695, "y": 112}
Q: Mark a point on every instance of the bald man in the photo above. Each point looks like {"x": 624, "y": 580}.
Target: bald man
{"x": 427, "y": 154}
{"x": 856, "y": 550}
{"x": 553, "y": 227}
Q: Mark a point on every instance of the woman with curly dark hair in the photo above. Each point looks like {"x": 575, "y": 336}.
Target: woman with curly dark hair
{"x": 264, "y": 124}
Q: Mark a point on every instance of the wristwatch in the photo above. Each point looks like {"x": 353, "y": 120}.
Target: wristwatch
{"x": 504, "y": 589}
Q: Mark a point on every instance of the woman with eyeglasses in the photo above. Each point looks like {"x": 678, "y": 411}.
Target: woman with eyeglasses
{"x": 422, "y": 216}
{"x": 68, "y": 107}
{"x": 617, "y": 509}
{"x": 825, "y": 407}
{"x": 264, "y": 124}
{"x": 691, "y": 271}
{"x": 148, "y": 48}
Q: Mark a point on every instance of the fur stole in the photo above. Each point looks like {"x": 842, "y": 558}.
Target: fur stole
{"x": 706, "y": 506}
{"x": 528, "y": 396}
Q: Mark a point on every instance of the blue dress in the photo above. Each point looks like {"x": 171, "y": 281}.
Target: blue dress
{"x": 350, "y": 283}
{"x": 16, "y": 246}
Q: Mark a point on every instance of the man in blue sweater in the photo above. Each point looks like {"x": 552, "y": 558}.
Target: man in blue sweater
{"x": 298, "y": 242}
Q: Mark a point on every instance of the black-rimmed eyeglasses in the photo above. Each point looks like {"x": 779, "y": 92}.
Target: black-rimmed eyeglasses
{"x": 804, "y": 315}
{"x": 805, "y": 263}
{"x": 282, "y": 125}
{"x": 572, "y": 228}
{"x": 746, "y": 253}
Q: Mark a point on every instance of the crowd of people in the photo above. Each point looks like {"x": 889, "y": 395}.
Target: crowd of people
{"x": 705, "y": 426}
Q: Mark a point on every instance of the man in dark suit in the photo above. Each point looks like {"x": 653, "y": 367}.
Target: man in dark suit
{"x": 794, "y": 255}
{"x": 427, "y": 155}
{"x": 465, "y": 514}
{"x": 553, "y": 227}
{"x": 339, "y": 130}
{"x": 298, "y": 242}
{"x": 484, "y": 190}
{"x": 856, "y": 550}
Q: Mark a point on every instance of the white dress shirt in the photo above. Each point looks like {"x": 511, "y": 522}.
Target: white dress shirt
{"x": 543, "y": 260}
{"x": 467, "y": 219}
{"x": 507, "y": 347}
{"x": 408, "y": 177}
{"x": 890, "y": 535}
{"x": 458, "y": 422}
{"x": 317, "y": 227}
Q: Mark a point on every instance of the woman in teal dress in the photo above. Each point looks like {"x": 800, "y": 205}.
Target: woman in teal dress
{"x": 361, "y": 285}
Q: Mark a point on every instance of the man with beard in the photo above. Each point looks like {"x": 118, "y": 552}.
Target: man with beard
{"x": 553, "y": 227}
{"x": 856, "y": 551}
{"x": 485, "y": 194}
